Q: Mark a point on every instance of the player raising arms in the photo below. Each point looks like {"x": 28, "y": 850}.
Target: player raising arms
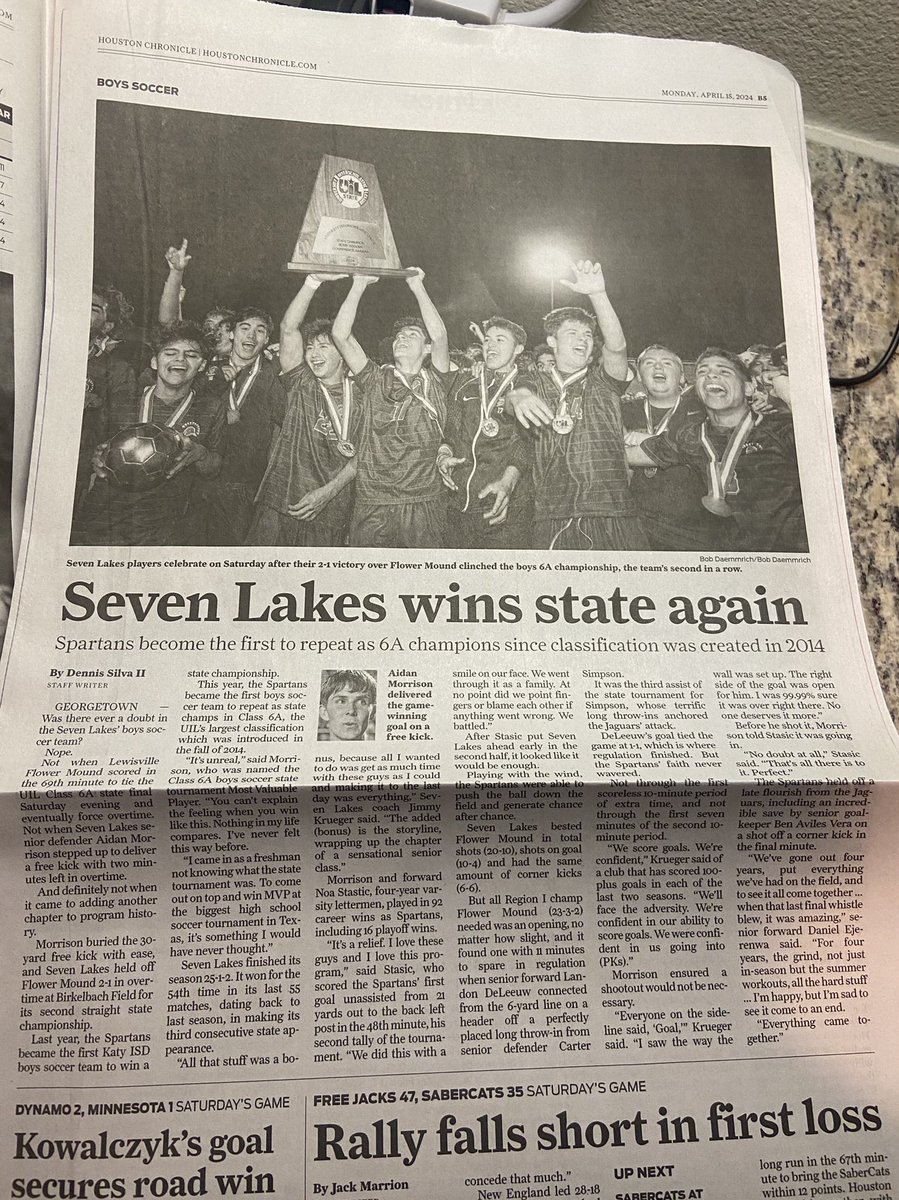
{"x": 581, "y": 495}
{"x": 400, "y": 500}
{"x": 306, "y": 495}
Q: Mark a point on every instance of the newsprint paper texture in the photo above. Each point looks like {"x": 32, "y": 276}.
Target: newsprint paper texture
{"x": 442, "y": 751}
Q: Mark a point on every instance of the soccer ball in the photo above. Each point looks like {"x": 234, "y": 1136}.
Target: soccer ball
{"x": 139, "y": 456}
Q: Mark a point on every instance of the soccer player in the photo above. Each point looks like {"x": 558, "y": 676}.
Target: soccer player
{"x": 218, "y": 323}
{"x": 253, "y": 404}
{"x": 400, "y": 500}
{"x": 746, "y": 460}
{"x": 582, "y": 499}
{"x": 346, "y": 705}
{"x": 306, "y": 495}
{"x": 485, "y": 460}
{"x": 544, "y": 358}
{"x": 669, "y": 501}
{"x": 112, "y": 516}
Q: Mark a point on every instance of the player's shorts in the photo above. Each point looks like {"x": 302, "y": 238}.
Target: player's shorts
{"x": 227, "y": 513}
{"x": 417, "y": 524}
{"x": 589, "y": 533}
{"x": 270, "y": 527}
{"x": 469, "y": 531}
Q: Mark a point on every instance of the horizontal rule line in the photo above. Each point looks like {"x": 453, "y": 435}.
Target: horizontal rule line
{"x": 430, "y": 87}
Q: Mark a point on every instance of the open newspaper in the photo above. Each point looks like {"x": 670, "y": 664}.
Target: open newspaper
{"x": 442, "y": 753}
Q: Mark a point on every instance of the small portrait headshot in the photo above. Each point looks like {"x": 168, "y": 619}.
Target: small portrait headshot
{"x": 347, "y": 706}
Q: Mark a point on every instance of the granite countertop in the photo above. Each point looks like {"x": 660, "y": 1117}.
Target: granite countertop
{"x": 857, "y": 219}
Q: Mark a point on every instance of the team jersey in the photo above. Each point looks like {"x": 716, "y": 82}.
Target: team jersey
{"x": 306, "y": 455}
{"x": 401, "y": 434}
{"x": 669, "y": 501}
{"x": 474, "y": 402}
{"x": 764, "y": 496}
{"x": 256, "y": 401}
{"x": 583, "y": 472}
{"x": 110, "y": 516}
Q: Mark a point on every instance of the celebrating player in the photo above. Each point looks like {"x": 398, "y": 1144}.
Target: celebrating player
{"x": 581, "y": 495}
{"x": 113, "y": 516}
{"x": 399, "y": 496}
{"x": 253, "y": 404}
{"x": 485, "y": 460}
{"x": 668, "y": 502}
{"x": 306, "y": 495}
{"x": 746, "y": 460}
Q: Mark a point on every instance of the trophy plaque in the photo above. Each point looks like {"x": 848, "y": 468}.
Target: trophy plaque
{"x": 346, "y": 228}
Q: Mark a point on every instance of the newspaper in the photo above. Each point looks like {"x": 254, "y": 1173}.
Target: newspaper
{"x": 22, "y": 230}
{"x": 442, "y": 749}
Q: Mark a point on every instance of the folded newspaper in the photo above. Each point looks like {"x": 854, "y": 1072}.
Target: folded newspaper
{"x": 442, "y": 752}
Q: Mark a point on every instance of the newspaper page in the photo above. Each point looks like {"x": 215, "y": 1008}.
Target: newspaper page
{"x": 22, "y": 228}
{"x": 442, "y": 750}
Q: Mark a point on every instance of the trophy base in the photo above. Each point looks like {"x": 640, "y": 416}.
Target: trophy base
{"x": 309, "y": 268}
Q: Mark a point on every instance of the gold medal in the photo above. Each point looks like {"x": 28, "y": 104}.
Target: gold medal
{"x": 347, "y": 449}
{"x": 490, "y": 427}
{"x": 562, "y": 423}
{"x": 717, "y": 505}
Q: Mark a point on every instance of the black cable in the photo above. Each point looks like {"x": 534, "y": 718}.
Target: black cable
{"x": 839, "y": 381}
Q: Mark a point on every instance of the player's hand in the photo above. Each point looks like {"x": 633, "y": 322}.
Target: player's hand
{"x": 177, "y": 257}
{"x": 634, "y": 437}
{"x": 192, "y": 451}
{"x": 445, "y": 464}
{"x": 760, "y": 402}
{"x": 529, "y": 410}
{"x": 588, "y": 278}
{"x": 308, "y": 508}
{"x": 326, "y": 276}
{"x": 229, "y": 371}
{"x": 98, "y": 461}
{"x": 501, "y": 493}
{"x": 416, "y": 281}
{"x": 477, "y": 331}
{"x": 361, "y": 282}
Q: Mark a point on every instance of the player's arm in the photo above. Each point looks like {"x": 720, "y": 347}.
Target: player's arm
{"x": 437, "y": 335}
{"x": 589, "y": 281}
{"x": 342, "y": 329}
{"x": 529, "y": 409}
{"x": 313, "y": 502}
{"x": 194, "y": 454}
{"x": 173, "y": 291}
{"x": 291, "y": 347}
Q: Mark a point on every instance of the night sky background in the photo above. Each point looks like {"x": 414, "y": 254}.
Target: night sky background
{"x": 686, "y": 234}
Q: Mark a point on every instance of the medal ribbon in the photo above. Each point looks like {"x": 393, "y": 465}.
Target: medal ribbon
{"x": 563, "y": 385}
{"x": 340, "y": 424}
{"x": 421, "y": 395}
{"x": 146, "y": 407}
{"x": 235, "y": 397}
{"x": 488, "y": 403}
{"x": 721, "y": 471}
{"x": 663, "y": 424}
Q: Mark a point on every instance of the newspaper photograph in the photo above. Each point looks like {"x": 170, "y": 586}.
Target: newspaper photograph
{"x": 442, "y": 753}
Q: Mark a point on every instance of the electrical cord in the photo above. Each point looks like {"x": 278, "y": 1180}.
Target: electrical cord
{"x": 840, "y": 381}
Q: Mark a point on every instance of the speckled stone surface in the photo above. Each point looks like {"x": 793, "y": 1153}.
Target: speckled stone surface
{"x": 857, "y": 219}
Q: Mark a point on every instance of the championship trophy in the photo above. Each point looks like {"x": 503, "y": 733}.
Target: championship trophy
{"x": 346, "y": 229}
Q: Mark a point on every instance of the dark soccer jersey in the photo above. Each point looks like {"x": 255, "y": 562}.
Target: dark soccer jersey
{"x": 584, "y": 472}
{"x": 670, "y": 501}
{"x": 305, "y": 455}
{"x": 110, "y": 516}
{"x": 401, "y": 434}
{"x": 486, "y": 458}
{"x": 767, "y": 505}
{"x": 247, "y": 442}
{"x": 110, "y": 387}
